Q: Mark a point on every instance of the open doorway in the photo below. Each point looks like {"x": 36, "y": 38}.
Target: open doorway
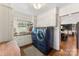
{"x": 74, "y": 20}
{"x": 68, "y": 39}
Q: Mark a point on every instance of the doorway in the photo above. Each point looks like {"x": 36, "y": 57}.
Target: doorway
{"x": 68, "y": 40}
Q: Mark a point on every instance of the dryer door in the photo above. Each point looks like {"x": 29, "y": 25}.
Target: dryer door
{"x": 41, "y": 35}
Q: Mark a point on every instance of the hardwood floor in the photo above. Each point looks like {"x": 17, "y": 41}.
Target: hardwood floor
{"x": 67, "y": 48}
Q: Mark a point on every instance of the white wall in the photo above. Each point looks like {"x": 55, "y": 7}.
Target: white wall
{"x": 57, "y": 34}
{"x": 6, "y": 23}
{"x": 47, "y": 19}
{"x": 56, "y": 38}
{"x": 34, "y": 21}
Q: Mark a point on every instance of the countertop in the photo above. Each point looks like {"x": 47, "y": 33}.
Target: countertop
{"x": 22, "y": 34}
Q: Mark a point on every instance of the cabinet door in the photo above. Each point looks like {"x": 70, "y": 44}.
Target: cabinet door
{"x": 23, "y": 40}
{"x": 5, "y": 24}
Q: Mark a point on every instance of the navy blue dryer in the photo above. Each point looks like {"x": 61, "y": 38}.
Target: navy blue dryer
{"x": 43, "y": 42}
{"x": 41, "y": 39}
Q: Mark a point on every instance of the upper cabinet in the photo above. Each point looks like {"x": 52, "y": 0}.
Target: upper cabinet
{"x": 47, "y": 19}
{"x": 6, "y": 23}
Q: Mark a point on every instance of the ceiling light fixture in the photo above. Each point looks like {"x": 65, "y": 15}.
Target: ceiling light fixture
{"x": 38, "y": 5}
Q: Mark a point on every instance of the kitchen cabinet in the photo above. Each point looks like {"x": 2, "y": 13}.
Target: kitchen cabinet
{"x": 6, "y": 23}
{"x": 47, "y": 19}
{"x": 23, "y": 40}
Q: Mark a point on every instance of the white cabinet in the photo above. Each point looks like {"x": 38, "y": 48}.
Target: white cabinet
{"x": 23, "y": 40}
{"x": 5, "y": 23}
{"x": 47, "y": 19}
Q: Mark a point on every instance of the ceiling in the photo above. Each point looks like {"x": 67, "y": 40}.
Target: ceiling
{"x": 45, "y": 8}
{"x": 30, "y": 10}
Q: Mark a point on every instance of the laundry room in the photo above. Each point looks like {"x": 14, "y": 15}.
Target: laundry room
{"x": 35, "y": 34}
{"x": 39, "y": 29}
{"x": 50, "y": 30}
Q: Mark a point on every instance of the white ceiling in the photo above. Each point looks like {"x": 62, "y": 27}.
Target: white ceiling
{"x": 29, "y": 9}
{"x": 46, "y": 7}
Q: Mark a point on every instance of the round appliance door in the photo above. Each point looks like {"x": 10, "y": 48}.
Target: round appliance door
{"x": 40, "y": 35}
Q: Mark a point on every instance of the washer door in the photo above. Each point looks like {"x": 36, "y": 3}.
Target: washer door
{"x": 41, "y": 35}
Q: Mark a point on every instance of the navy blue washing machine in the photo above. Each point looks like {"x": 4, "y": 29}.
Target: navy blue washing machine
{"x": 41, "y": 39}
{"x": 34, "y": 36}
